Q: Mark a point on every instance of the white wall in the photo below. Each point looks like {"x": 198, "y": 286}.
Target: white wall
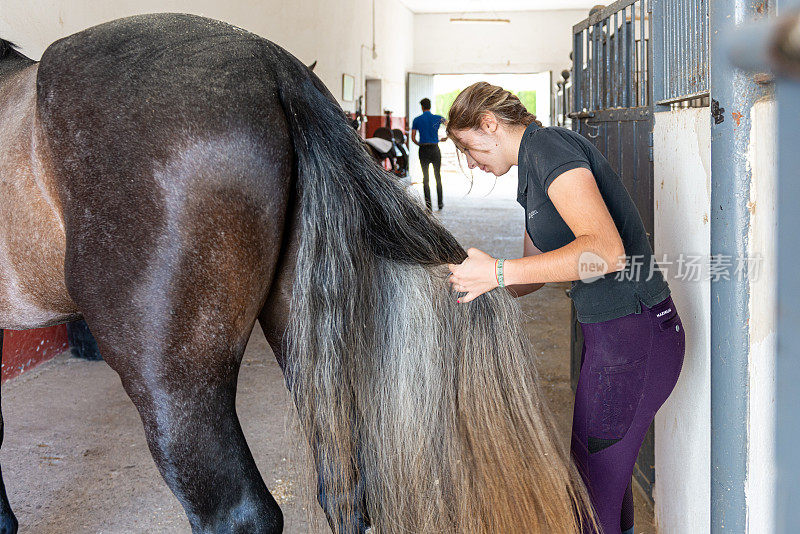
{"x": 337, "y": 34}
{"x": 682, "y": 195}
{"x": 760, "y": 484}
{"x": 331, "y": 32}
{"x": 534, "y": 41}
{"x": 682, "y": 166}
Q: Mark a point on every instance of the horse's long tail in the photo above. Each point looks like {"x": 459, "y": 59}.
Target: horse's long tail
{"x": 433, "y": 407}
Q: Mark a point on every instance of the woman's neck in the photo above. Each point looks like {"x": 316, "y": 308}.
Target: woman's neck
{"x": 515, "y": 133}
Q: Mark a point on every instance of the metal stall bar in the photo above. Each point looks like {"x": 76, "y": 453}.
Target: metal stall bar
{"x": 681, "y": 35}
{"x": 577, "y": 74}
{"x": 702, "y": 25}
{"x": 672, "y": 28}
{"x": 626, "y": 93}
{"x": 777, "y": 44}
{"x": 683, "y": 39}
{"x": 657, "y": 52}
{"x": 615, "y": 61}
{"x": 675, "y": 49}
{"x": 602, "y": 42}
{"x": 596, "y": 68}
{"x": 733, "y": 93}
{"x": 616, "y": 70}
{"x": 630, "y": 58}
{"x": 623, "y": 62}
{"x": 692, "y": 56}
{"x": 662, "y": 35}
{"x": 644, "y": 68}
{"x": 637, "y": 10}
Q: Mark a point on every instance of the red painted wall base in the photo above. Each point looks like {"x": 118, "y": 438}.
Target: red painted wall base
{"x": 376, "y": 121}
{"x": 25, "y": 349}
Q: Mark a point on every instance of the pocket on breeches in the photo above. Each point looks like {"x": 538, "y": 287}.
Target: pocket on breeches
{"x": 616, "y": 397}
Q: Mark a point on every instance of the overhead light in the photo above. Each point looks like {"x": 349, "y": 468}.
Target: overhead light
{"x": 461, "y": 20}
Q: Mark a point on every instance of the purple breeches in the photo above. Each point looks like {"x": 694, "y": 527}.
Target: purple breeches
{"x": 630, "y": 366}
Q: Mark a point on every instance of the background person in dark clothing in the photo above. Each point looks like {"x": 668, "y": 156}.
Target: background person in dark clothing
{"x": 427, "y": 125}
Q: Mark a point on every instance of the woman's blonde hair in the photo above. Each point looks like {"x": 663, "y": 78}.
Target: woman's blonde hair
{"x": 475, "y": 101}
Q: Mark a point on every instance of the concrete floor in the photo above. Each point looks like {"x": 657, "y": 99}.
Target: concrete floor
{"x": 75, "y": 459}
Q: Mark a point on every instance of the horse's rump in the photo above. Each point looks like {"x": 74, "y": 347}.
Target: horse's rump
{"x": 167, "y": 135}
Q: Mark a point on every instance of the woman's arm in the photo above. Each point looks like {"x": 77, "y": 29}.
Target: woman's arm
{"x": 528, "y": 249}
{"x": 596, "y": 250}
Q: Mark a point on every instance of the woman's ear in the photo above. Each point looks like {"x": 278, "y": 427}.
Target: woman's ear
{"x": 489, "y": 122}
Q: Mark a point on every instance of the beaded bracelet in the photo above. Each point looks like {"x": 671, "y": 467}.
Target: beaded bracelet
{"x": 498, "y": 271}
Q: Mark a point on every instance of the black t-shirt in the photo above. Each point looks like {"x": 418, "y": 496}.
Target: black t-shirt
{"x": 546, "y": 153}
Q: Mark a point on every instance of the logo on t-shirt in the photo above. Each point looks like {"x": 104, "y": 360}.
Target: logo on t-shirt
{"x": 531, "y": 214}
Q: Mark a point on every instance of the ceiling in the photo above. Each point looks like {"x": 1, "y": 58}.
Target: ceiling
{"x": 488, "y": 6}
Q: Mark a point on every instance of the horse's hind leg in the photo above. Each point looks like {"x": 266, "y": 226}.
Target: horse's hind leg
{"x": 176, "y": 336}
{"x": 186, "y": 398}
{"x": 180, "y": 371}
{"x": 8, "y": 522}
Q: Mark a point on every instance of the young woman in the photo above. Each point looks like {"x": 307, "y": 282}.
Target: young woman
{"x": 581, "y": 226}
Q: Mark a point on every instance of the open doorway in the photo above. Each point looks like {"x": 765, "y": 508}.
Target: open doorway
{"x": 533, "y": 89}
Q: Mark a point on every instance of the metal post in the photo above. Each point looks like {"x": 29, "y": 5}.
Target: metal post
{"x": 733, "y": 93}
{"x": 752, "y": 48}
{"x": 788, "y": 354}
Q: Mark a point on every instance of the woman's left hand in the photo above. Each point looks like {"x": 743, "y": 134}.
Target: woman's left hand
{"x": 474, "y": 276}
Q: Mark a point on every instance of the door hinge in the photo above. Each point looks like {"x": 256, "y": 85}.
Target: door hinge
{"x": 650, "y": 145}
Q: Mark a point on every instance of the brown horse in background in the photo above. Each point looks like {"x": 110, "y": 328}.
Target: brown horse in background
{"x": 171, "y": 179}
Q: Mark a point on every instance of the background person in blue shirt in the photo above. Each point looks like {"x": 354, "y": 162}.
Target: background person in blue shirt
{"x": 427, "y": 125}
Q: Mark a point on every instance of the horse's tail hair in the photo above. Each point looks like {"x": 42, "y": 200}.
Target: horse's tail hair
{"x": 10, "y": 50}
{"x": 424, "y": 414}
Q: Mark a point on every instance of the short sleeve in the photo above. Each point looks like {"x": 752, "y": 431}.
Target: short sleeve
{"x": 549, "y": 154}
{"x": 415, "y": 123}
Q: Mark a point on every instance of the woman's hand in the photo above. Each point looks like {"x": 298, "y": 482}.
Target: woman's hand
{"x": 475, "y": 276}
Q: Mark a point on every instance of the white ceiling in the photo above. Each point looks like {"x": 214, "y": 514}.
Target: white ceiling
{"x": 484, "y": 6}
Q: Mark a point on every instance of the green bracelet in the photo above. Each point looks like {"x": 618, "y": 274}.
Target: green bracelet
{"x": 498, "y": 266}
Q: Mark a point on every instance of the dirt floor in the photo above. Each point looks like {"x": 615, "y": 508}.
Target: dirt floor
{"x": 75, "y": 460}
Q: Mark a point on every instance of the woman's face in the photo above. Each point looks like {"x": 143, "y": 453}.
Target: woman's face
{"x": 483, "y": 148}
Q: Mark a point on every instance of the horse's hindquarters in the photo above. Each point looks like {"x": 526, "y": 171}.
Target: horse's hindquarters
{"x": 32, "y": 240}
{"x": 175, "y": 187}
